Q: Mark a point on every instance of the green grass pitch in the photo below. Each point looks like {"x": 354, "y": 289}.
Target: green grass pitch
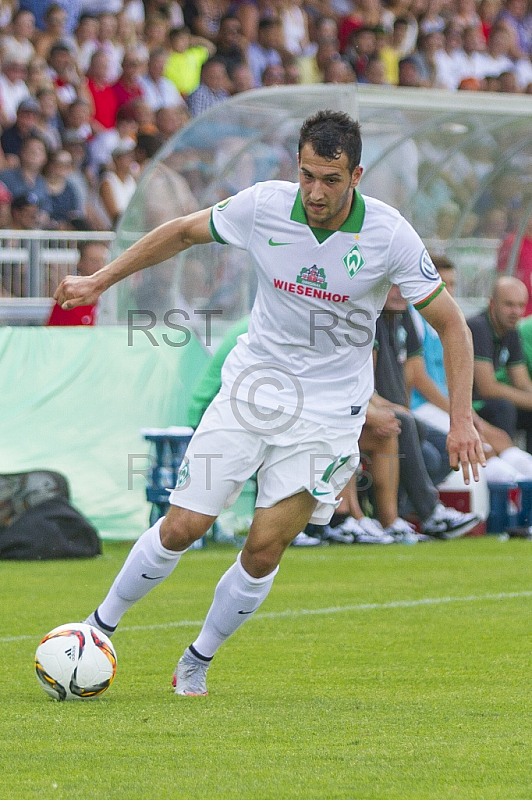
{"x": 382, "y": 673}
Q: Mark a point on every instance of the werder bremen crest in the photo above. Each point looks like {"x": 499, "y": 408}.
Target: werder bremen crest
{"x": 312, "y": 276}
{"x": 354, "y": 261}
{"x": 183, "y": 475}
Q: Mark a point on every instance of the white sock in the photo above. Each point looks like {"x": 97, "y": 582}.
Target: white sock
{"x": 498, "y": 470}
{"x": 519, "y": 460}
{"x": 146, "y": 566}
{"x": 236, "y": 598}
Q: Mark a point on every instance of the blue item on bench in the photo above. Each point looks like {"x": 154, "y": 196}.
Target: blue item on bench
{"x": 170, "y": 447}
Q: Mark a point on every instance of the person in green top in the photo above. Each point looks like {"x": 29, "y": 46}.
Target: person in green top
{"x": 211, "y": 379}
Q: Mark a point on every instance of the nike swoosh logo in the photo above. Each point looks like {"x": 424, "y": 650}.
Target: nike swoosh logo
{"x": 318, "y": 494}
{"x": 152, "y": 577}
{"x": 247, "y": 612}
{"x": 277, "y": 244}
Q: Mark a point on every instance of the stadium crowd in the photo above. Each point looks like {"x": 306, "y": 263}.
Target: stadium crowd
{"x": 90, "y": 89}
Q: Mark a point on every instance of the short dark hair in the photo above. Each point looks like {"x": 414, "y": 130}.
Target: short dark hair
{"x": 442, "y": 262}
{"x": 331, "y": 133}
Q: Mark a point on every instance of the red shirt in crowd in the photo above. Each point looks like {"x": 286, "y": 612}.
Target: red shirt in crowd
{"x": 105, "y": 103}
{"x": 124, "y": 94}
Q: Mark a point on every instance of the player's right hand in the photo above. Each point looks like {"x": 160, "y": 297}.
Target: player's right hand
{"x": 76, "y": 290}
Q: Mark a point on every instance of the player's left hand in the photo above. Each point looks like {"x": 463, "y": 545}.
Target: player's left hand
{"x": 465, "y": 449}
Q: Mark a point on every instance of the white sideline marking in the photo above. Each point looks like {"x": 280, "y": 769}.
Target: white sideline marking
{"x": 307, "y": 612}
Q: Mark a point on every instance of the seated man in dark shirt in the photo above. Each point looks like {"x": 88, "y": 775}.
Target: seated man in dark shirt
{"x": 502, "y": 391}
{"x": 25, "y": 125}
{"x": 396, "y": 340}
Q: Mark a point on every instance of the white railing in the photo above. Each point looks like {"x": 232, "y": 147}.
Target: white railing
{"x": 32, "y": 264}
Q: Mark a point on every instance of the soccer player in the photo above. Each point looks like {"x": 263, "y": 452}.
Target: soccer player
{"x": 295, "y": 388}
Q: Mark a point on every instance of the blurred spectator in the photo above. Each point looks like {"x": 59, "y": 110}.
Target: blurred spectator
{"x": 18, "y": 46}
{"x": 517, "y": 19}
{"x": 313, "y": 68}
{"x": 25, "y": 124}
{"x": 156, "y": 33}
{"x": 497, "y": 59}
{"x": 361, "y": 45}
{"x": 92, "y": 257}
{"x": 49, "y": 122}
{"x": 158, "y": 90}
{"x": 449, "y": 59}
{"x": 128, "y": 86}
{"x": 466, "y": 15}
{"x": 66, "y": 203}
{"x": 294, "y": 20}
{"x": 508, "y": 83}
{"x": 214, "y": 87}
{"x": 118, "y": 184}
{"x": 103, "y": 144}
{"x": 86, "y": 38}
{"x": 13, "y": 89}
{"x": 83, "y": 179}
{"x": 147, "y": 145}
{"x": 77, "y": 118}
{"x": 432, "y": 20}
{"x": 273, "y": 75}
{"x": 189, "y": 53}
{"x": 339, "y": 71}
{"x": 392, "y": 52}
{"x": 24, "y": 217}
{"x": 170, "y": 120}
{"x": 430, "y": 46}
{"x": 40, "y": 8}
{"x": 203, "y": 17}
{"x": 105, "y": 103}
{"x": 65, "y": 79}
{"x": 487, "y": 11}
{"x": 27, "y": 177}
{"x": 375, "y": 72}
{"x": 470, "y": 59}
{"x": 38, "y": 76}
{"x": 409, "y": 73}
{"x": 267, "y": 49}
{"x": 230, "y": 44}
{"x": 110, "y": 44}
{"x": 55, "y": 30}
{"x": 241, "y": 79}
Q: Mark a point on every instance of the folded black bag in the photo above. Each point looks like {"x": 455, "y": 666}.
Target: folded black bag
{"x": 37, "y": 521}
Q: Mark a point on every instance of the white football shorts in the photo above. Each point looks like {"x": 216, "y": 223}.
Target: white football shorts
{"x": 235, "y": 440}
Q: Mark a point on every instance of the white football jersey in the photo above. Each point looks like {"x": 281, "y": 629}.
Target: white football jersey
{"x": 310, "y": 338}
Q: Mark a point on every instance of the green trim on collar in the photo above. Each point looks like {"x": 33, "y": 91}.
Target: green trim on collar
{"x": 214, "y": 233}
{"x": 353, "y": 223}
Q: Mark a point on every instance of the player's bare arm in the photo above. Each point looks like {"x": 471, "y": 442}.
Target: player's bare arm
{"x": 157, "y": 246}
{"x": 463, "y": 442}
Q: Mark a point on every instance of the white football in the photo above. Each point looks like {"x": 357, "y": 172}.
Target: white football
{"x": 75, "y": 662}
